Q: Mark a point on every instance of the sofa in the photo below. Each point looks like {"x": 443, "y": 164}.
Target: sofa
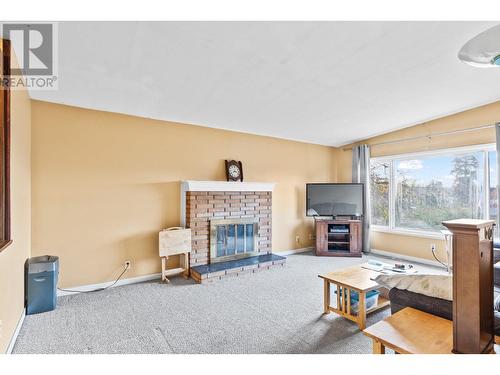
{"x": 440, "y": 307}
{"x": 496, "y": 263}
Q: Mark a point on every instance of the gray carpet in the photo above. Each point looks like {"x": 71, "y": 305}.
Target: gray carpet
{"x": 275, "y": 311}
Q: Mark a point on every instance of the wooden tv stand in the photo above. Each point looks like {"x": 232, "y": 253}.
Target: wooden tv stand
{"x": 338, "y": 238}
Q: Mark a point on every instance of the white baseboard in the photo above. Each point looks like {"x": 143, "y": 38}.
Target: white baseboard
{"x": 132, "y": 280}
{"x": 405, "y": 257}
{"x": 388, "y": 254}
{"x": 294, "y": 251}
{"x": 16, "y": 333}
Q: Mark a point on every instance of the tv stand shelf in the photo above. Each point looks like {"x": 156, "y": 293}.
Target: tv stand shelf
{"x": 338, "y": 237}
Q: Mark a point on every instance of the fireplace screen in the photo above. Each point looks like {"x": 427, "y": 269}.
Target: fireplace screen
{"x": 233, "y": 239}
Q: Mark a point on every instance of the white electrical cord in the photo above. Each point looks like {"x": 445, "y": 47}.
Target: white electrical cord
{"x": 435, "y": 257}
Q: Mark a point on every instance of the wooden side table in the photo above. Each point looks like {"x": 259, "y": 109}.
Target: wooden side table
{"x": 354, "y": 278}
{"x": 412, "y": 331}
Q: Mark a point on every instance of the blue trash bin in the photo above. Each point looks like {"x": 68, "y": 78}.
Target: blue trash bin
{"x": 41, "y": 274}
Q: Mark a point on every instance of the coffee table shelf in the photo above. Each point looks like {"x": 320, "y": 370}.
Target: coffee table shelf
{"x": 382, "y": 302}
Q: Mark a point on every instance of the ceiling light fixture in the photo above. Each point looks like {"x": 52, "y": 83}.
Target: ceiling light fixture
{"x": 483, "y": 51}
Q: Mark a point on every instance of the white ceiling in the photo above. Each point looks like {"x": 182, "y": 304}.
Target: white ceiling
{"x": 329, "y": 83}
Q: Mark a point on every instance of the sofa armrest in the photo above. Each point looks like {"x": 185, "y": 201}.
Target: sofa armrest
{"x": 496, "y": 244}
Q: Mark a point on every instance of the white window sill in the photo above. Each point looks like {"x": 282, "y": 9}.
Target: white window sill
{"x": 409, "y": 232}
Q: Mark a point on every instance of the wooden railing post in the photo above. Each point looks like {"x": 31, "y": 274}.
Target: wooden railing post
{"x": 473, "y": 324}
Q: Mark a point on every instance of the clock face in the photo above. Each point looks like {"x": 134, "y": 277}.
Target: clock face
{"x": 234, "y": 171}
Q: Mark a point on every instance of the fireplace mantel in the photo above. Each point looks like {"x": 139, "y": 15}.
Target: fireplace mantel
{"x": 219, "y": 186}
{"x": 226, "y": 186}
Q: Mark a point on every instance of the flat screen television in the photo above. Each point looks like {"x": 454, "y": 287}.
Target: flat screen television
{"x": 334, "y": 199}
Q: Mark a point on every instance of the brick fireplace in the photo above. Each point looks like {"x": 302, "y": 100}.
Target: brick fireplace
{"x": 224, "y": 212}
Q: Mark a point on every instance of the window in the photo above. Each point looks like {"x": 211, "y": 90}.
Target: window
{"x": 492, "y": 196}
{"x": 417, "y": 192}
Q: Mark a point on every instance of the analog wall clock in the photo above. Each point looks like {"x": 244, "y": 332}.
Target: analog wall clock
{"x": 234, "y": 170}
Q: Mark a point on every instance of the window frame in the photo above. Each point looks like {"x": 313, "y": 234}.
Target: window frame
{"x": 392, "y": 159}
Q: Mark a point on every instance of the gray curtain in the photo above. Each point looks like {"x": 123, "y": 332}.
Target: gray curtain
{"x": 361, "y": 174}
{"x": 497, "y": 131}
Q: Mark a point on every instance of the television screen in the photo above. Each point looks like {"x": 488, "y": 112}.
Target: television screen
{"x": 334, "y": 200}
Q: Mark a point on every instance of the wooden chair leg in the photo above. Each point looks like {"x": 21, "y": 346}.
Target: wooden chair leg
{"x": 164, "y": 270}
{"x": 163, "y": 267}
{"x": 185, "y": 265}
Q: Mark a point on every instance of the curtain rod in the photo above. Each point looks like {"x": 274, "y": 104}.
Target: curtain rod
{"x": 429, "y": 136}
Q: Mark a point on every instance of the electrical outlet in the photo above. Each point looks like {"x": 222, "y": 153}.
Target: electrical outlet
{"x": 433, "y": 247}
{"x": 310, "y": 236}
{"x": 297, "y": 238}
{"x": 128, "y": 264}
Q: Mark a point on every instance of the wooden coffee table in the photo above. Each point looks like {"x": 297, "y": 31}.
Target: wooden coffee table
{"x": 352, "y": 278}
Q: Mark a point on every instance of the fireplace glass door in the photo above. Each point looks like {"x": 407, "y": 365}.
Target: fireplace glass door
{"x": 232, "y": 239}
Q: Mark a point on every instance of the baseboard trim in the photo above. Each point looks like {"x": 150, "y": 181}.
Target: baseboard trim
{"x": 131, "y": 280}
{"x": 409, "y": 258}
{"x": 294, "y": 251}
{"x": 16, "y": 333}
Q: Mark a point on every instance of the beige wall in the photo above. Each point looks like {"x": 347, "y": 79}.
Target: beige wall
{"x": 13, "y": 257}
{"x": 489, "y": 114}
{"x": 104, "y": 184}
